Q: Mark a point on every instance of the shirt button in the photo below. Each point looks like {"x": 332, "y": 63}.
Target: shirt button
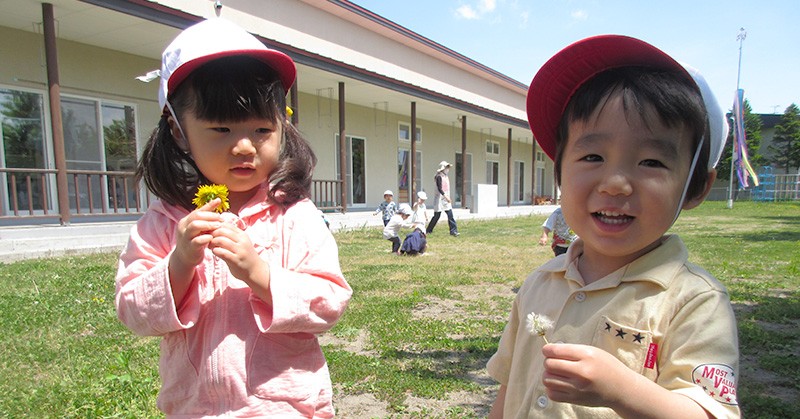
{"x": 580, "y": 297}
{"x": 542, "y": 401}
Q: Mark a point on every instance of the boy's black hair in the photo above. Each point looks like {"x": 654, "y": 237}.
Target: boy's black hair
{"x": 228, "y": 89}
{"x": 675, "y": 100}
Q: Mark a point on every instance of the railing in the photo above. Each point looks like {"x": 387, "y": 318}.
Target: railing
{"x": 31, "y": 193}
{"x": 326, "y": 195}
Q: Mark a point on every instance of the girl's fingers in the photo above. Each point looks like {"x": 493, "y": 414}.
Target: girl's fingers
{"x": 211, "y": 205}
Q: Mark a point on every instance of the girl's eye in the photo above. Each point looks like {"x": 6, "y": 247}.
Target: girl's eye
{"x": 264, "y": 130}
{"x": 652, "y": 163}
{"x": 221, "y": 129}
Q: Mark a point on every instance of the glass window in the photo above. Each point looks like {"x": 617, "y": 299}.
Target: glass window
{"x": 23, "y": 147}
{"x": 404, "y": 132}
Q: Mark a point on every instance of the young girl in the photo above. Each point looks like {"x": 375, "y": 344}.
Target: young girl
{"x": 238, "y": 304}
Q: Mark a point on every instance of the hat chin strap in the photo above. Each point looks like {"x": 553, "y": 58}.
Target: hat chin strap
{"x": 183, "y": 143}
{"x": 688, "y": 179}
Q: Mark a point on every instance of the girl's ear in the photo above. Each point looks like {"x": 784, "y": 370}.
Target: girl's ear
{"x": 694, "y": 202}
{"x": 177, "y": 134}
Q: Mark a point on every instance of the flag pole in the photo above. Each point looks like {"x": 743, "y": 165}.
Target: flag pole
{"x": 740, "y": 37}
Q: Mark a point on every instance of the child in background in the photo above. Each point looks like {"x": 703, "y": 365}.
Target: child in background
{"x": 635, "y": 137}
{"x": 392, "y": 229}
{"x": 563, "y": 236}
{"x": 416, "y": 242}
{"x": 420, "y": 215}
{"x": 387, "y": 207}
{"x": 238, "y": 309}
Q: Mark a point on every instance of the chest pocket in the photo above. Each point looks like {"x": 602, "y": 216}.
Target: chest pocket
{"x": 628, "y": 344}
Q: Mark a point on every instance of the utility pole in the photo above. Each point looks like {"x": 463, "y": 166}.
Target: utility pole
{"x": 740, "y": 37}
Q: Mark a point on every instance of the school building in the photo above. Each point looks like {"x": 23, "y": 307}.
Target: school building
{"x": 380, "y": 104}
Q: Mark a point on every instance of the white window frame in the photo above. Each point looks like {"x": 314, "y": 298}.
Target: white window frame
{"x": 492, "y": 148}
{"x": 404, "y": 132}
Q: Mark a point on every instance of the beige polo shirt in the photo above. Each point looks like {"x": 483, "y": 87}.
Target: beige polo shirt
{"x": 662, "y": 316}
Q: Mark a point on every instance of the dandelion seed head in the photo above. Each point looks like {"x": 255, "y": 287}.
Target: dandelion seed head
{"x": 539, "y": 324}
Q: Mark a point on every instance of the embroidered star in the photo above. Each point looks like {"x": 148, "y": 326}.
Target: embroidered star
{"x": 621, "y": 334}
{"x": 704, "y": 387}
{"x": 711, "y": 394}
{"x": 727, "y": 399}
{"x": 638, "y": 337}
{"x": 698, "y": 382}
{"x": 608, "y": 327}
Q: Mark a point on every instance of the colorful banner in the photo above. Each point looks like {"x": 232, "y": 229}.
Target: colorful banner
{"x": 740, "y": 160}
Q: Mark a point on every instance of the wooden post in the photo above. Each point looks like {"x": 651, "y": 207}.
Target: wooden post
{"x": 464, "y": 161}
{"x": 533, "y": 171}
{"x": 509, "y": 181}
{"x": 54, "y": 96}
{"x": 342, "y": 154}
{"x": 295, "y": 104}
{"x": 413, "y": 169}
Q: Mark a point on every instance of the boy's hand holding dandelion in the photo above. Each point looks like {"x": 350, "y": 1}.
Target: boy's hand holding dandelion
{"x": 589, "y": 376}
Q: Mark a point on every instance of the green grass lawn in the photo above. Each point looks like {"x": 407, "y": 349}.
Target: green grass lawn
{"x": 417, "y": 328}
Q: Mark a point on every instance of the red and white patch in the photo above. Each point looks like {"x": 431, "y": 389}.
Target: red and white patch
{"x": 718, "y": 381}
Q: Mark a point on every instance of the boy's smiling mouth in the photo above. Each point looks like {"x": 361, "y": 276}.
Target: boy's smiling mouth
{"x": 610, "y": 217}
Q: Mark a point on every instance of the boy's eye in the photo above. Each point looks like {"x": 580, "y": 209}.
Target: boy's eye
{"x": 264, "y": 130}
{"x": 221, "y": 129}
{"x": 591, "y": 158}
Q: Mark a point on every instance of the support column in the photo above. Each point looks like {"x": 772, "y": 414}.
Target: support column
{"x": 412, "y": 197}
{"x": 342, "y": 144}
{"x": 54, "y": 96}
{"x": 509, "y": 181}
{"x": 533, "y": 171}
{"x": 295, "y": 103}
{"x": 463, "y": 161}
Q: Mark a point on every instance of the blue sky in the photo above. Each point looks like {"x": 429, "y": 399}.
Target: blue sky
{"x": 515, "y": 37}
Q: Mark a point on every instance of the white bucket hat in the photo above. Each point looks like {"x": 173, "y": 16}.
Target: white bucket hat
{"x": 387, "y": 192}
{"x": 422, "y": 195}
{"x": 405, "y": 209}
{"x": 212, "y": 39}
{"x": 443, "y": 165}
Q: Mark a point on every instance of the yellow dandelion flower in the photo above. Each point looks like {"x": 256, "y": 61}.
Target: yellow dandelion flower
{"x": 207, "y": 193}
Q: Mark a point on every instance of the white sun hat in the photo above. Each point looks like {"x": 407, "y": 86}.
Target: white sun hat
{"x": 405, "y": 209}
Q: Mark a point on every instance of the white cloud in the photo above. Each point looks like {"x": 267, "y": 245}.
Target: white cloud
{"x": 580, "y": 15}
{"x": 466, "y": 12}
{"x": 486, "y": 6}
{"x": 524, "y": 16}
{"x": 476, "y": 11}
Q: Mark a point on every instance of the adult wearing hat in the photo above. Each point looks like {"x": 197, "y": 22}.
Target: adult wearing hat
{"x": 442, "y": 201}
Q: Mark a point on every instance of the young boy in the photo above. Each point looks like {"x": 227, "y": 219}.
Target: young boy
{"x": 392, "y": 228}
{"x": 563, "y": 236}
{"x": 637, "y": 330}
{"x": 387, "y": 207}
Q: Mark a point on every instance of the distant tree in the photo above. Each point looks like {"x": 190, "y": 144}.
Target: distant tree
{"x": 752, "y": 132}
{"x": 785, "y": 146}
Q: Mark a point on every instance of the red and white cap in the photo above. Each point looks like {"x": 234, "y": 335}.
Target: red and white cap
{"x": 559, "y": 78}
{"x": 212, "y": 39}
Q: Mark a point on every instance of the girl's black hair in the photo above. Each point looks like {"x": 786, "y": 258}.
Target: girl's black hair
{"x": 675, "y": 99}
{"x": 228, "y": 89}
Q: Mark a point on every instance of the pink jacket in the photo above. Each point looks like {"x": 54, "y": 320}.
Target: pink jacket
{"x": 224, "y": 351}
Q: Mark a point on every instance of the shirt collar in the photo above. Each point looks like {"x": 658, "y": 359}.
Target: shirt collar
{"x": 659, "y": 265}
